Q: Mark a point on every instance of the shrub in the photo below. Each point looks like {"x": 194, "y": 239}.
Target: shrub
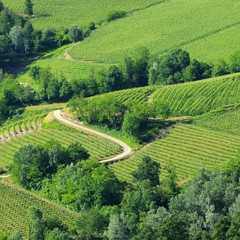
{"x": 115, "y": 15}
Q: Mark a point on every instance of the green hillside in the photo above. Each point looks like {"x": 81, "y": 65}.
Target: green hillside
{"x": 187, "y": 148}
{"x": 172, "y": 24}
{"x": 58, "y": 14}
{"x": 14, "y": 204}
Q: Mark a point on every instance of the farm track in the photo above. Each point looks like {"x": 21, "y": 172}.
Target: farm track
{"x": 126, "y": 149}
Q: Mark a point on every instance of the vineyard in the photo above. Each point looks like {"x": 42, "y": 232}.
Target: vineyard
{"x": 224, "y": 121}
{"x": 14, "y": 204}
{"x": 128, "y": 96}
{"x": 21, "y": 126}
{"x": 98, "y": 148}
{"x": 58, "y": 14}
{"x": 187, "y": 148}
{"x": 163, "y": 27}
{"x": 195, "y": 98}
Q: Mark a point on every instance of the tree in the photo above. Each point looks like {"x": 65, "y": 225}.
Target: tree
{"x": 168, "y": 69}
{"x": 30, "y": 166}
{"x": 17, "y": 37}
{"x": 117, "y": 229}
{"x": 91, "y": 224}
{"x": 75, "y": 34}
{"x": 1, "y": 6}
{"x": 28, "y": 7}
{"x": 234, "y": 63}
{"x": 28, "y": 33}
{"x": 148, "y": 170}
{"x": 77, "y": 152}
{"x": 35, "y": 224}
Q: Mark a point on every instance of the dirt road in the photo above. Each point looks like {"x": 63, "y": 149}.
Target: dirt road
{"x": 126, "y": 149}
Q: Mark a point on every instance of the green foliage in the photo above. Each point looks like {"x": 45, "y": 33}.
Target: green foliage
{"x": 117, "y": 229}
{"x": 75, "y": 34}
{"x": 83, "y": 186}
{"x": 34, "y": 163}
{"x": 28, "y": 7}
{"x": 91, "y": 224}
{"x": 115, "y": 15}
{"x": 148, "y": 170}
{"x": 35, "y": 224}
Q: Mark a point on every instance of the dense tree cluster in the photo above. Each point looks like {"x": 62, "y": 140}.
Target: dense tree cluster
{"x": 33, "y": 163}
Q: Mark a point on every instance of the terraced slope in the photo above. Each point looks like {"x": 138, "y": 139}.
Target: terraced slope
{"x": 188, "y": 148}
{"x": 163, "y": 27}
{"x": 98, "y": 148}
{"x": 14, "y": 204}
{"x": 198, "y": 97}
{"x": 60, "y": 13}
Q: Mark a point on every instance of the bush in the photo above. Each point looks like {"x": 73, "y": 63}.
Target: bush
{"x": 115, "y": 15}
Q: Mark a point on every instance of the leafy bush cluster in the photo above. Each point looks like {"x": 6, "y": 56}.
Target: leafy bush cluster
{"x": 33, "y": 163}
{"x": 115, "y": 15}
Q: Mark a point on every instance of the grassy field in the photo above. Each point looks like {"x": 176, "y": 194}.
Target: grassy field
{"x": 172, "y": 24}
{"x": 14, "y": 204}
{"x": 98, "y": 148}
{"x": 187, "y": 148}
{"x": 199, "y": 97}
{"x": 58, "y": 14}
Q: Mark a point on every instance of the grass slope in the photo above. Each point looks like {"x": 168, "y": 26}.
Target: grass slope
{"x": 172, "y": 24}
{"x": 60, "y": 13}
{"x": 14, "y": 204}
{"x": 98, "y": 148}
{"x": 198, "y": 97}
{"x": 187, "y": 148}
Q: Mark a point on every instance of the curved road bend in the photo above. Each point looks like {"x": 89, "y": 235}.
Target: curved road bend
{"x": 126, "y": 149}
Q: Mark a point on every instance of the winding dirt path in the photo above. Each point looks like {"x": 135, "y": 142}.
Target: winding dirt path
{"x": 126, "y": 149}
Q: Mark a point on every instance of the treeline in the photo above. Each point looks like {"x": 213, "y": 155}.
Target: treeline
{"x": 206, "y": 207}
{"x": 19, "y": 40}
{"x": 135, "y": 71}
{"x": 131, "y": 119}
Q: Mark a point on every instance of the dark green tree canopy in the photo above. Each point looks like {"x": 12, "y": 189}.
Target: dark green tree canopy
{"x": 28, "y": 7}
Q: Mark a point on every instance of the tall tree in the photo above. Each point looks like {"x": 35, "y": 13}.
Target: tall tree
{"x": 35, "y": 224}
{"x": 29, "y": 7}
{"x": 16, "y": 36}
{"x": 148, "y": 170}
{"x": 75, "y": 34}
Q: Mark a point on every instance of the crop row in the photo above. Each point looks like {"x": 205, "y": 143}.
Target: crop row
{"x": 14, "y": 204}
{"x": 199, "y": 97}
{"x": 30, "y": 123}
{"x": 128, "y": 96}
{"x": 188, "y": 148}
